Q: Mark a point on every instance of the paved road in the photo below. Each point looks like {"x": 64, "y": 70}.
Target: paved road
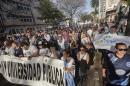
{"x": 95, "y": 73}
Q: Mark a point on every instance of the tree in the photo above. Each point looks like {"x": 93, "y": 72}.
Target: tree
{"x": 85, "y": 17}
{"x": 70, "y": 7}
{"x": 95, "y": 5}
{"x": 49, "y": 12}
{"x": 127, "y": 32}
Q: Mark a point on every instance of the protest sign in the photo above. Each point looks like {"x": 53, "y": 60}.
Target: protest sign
{"x": 40, "y": 71}
{"x": 106, "y": 41}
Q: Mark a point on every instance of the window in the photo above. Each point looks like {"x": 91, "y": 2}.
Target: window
{"x": 27, "y": 20}
{"x": 28, "y": 8}
{"x": 39, "y": 18}
{"x": 24, "y": 20}
{"x": 30, "y": 20}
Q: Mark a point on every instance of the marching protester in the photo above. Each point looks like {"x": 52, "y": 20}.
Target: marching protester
{"x": 83, "y": 58}
{"x": 69, "y": 68}
{"x": 74, "y": 51}
{"x": 73, "y": 46}
{"x": 10, "y": 47}
{"x": 29, "y": 51}
{"x": 85, "y": 39}
{"x": 43, "y": 50}
{"x": 91, "y": 51}
{"x": 61, "y": 43}
{"x": 116, "y": 67}
{"x": 113, "y": 30}
{"x": 90, "y": 32}
{"x": 47, "y": 36}
{"x": 54, "y": 53}
{"x": 18, "y": 50}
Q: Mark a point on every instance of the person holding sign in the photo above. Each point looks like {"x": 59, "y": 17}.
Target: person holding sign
{"x": 69, "y": 68}
{"x": 116, "y": 66}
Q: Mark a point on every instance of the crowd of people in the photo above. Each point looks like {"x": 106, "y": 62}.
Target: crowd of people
{"x": 73, "y": 46}
{"x": 69, "y": 45}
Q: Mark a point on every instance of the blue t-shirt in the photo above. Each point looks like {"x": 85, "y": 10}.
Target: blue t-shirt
{"x": 118, "y": 69}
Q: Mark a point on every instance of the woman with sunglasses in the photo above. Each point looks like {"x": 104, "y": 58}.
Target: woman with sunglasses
{"x": 116, "y": 67}
{"x": 83, "y": 58}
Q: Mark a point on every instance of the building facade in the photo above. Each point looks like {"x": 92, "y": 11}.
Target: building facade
{"x": 102, "y": 9}
{"x": 19, "y": 15}
{"x": 111, "y": 10}
{"x": 108, "y": 9}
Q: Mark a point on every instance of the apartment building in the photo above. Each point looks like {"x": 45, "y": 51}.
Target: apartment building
{"x": 111, "y": 10}
{"x": 102, "y": 9}
{"x": 19, "y": 15}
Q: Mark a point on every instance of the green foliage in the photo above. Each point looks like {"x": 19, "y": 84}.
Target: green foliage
{"x": 128, "y": 1}
{"x": 71, "y": 8}
{"x": 50, "y": 14}
{"x": 95, "y": 4}
{"x": 85, "y": 17}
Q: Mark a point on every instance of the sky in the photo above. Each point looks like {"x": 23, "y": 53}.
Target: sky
{"x": 88, "y": 7}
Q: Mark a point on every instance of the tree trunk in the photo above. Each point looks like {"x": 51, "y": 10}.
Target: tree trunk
{"x": 71, "y": 20}
{"x": 127, "y": 32}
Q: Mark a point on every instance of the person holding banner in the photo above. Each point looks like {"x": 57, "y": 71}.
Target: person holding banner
{"x": 54, "y": 53}
{"x": 10, "y": 47}
{"x": 43, "y": 51}
{"x": 69, "y": 68}
{"x": 116, "y": 66}
{"x": 29, "y": 51}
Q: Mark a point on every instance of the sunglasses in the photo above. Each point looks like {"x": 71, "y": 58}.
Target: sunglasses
{"x": 122, "y": 49}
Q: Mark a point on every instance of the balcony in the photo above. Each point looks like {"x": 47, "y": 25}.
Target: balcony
{"x": 23, "y": 13}
{"x": 6, "y": 7}
{"x": 16, "y": 22}
{"x": 25, "y": 2}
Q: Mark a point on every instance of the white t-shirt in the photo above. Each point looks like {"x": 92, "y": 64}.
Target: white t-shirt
{"x": 90, "y": 32}
{"x": 62, "y": 44}
{"x": 70, "y": 63}
{"x": 85, "y": 40}
{"x": 47, "y": 37}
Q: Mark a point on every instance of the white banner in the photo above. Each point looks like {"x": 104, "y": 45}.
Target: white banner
{"x": 40, "y": 71}
{"x": 106, "y": 41}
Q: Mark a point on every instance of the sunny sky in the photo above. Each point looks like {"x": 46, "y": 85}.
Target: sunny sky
{"x": 88, "y": 6}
